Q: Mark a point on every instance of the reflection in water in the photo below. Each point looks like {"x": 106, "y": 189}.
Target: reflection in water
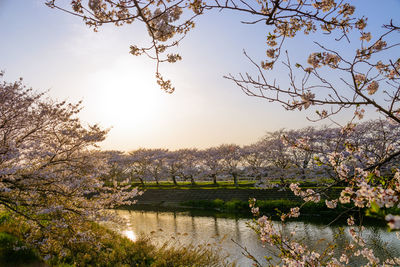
{"x": 180, "y": 228}
{"x": 216, "y": 231}
{"x": 130, "y": 234}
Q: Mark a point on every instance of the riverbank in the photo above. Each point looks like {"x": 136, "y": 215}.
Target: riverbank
{"x": 174, "y": 196}
{"x": 234, "y": 203}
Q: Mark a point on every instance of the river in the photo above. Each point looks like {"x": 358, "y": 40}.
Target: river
{"x": 180, "y": 228}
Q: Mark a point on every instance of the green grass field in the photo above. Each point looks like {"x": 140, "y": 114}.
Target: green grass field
{"x": 198, "y": 185}
{"x": 242, "y": 184}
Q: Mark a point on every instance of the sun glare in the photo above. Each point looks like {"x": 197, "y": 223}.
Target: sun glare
{"x": 125, "y": 97}
{"x": 130, "y": 234}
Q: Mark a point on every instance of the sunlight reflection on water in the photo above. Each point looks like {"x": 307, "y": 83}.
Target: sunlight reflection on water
{"x": 130, "y": 234}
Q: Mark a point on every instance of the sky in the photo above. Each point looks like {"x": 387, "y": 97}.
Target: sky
{"x": 55, "y": 51}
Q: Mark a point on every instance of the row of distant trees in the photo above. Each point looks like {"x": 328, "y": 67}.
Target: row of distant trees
{"x": 284, "y": 154}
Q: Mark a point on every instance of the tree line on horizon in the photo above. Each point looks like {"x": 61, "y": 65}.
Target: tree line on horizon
{"x": 279, "y": 155}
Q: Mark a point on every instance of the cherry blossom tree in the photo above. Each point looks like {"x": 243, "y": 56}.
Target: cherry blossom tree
{"x": 307, "y": 145}
{"x": 190, "y": 164}
{"x": 173, "y": 165}
{"x": 255, "y": 158}
{"x": 168, "y": 22}
{"x": 50, "y": 178}
{"x": 156, "y": 168}
{"x": 231, "y": 157}
{"x": 117, "y": 164}
{"x": 211, "y": 161}
{"x": 301, "y": 158}
{"x": 278, "y": 155}
{"x": 377, "y": 138}
{"x": 140, "y": 161}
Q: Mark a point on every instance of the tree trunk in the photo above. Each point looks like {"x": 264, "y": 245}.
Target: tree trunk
{"x": 303, "y": 174}
{"x": 214, "y": 176}
{"x": 303, "y": 169}
{"x": 141, "y": 180}
{"x": 235, "y": 180}
{"x": 174, "y": 180}
{"x": 192, "y": 180}
{"x": 283, "y": 183}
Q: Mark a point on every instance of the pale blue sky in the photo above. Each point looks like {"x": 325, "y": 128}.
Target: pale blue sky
{"x": 56, "y": 51}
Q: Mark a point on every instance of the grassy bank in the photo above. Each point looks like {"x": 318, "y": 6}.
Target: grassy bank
{"x": 115, "y": 250}
{"x": 13, "y": 252}
{"x": 243, "y": 184}
{"x": 197, "y": 185}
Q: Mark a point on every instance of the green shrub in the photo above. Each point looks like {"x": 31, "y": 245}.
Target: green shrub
{"x": 13, "y": 252}
{"x": 218, "y": 203}
{"x": 271, "y": 206}
{"x": 236, "y": 205}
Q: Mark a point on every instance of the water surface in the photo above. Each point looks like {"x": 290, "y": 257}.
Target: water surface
{"x": 180, "y": 228}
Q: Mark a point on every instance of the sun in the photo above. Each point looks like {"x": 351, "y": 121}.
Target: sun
{"x": 125, "y": 95}
{"x": 130, "y": 234}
